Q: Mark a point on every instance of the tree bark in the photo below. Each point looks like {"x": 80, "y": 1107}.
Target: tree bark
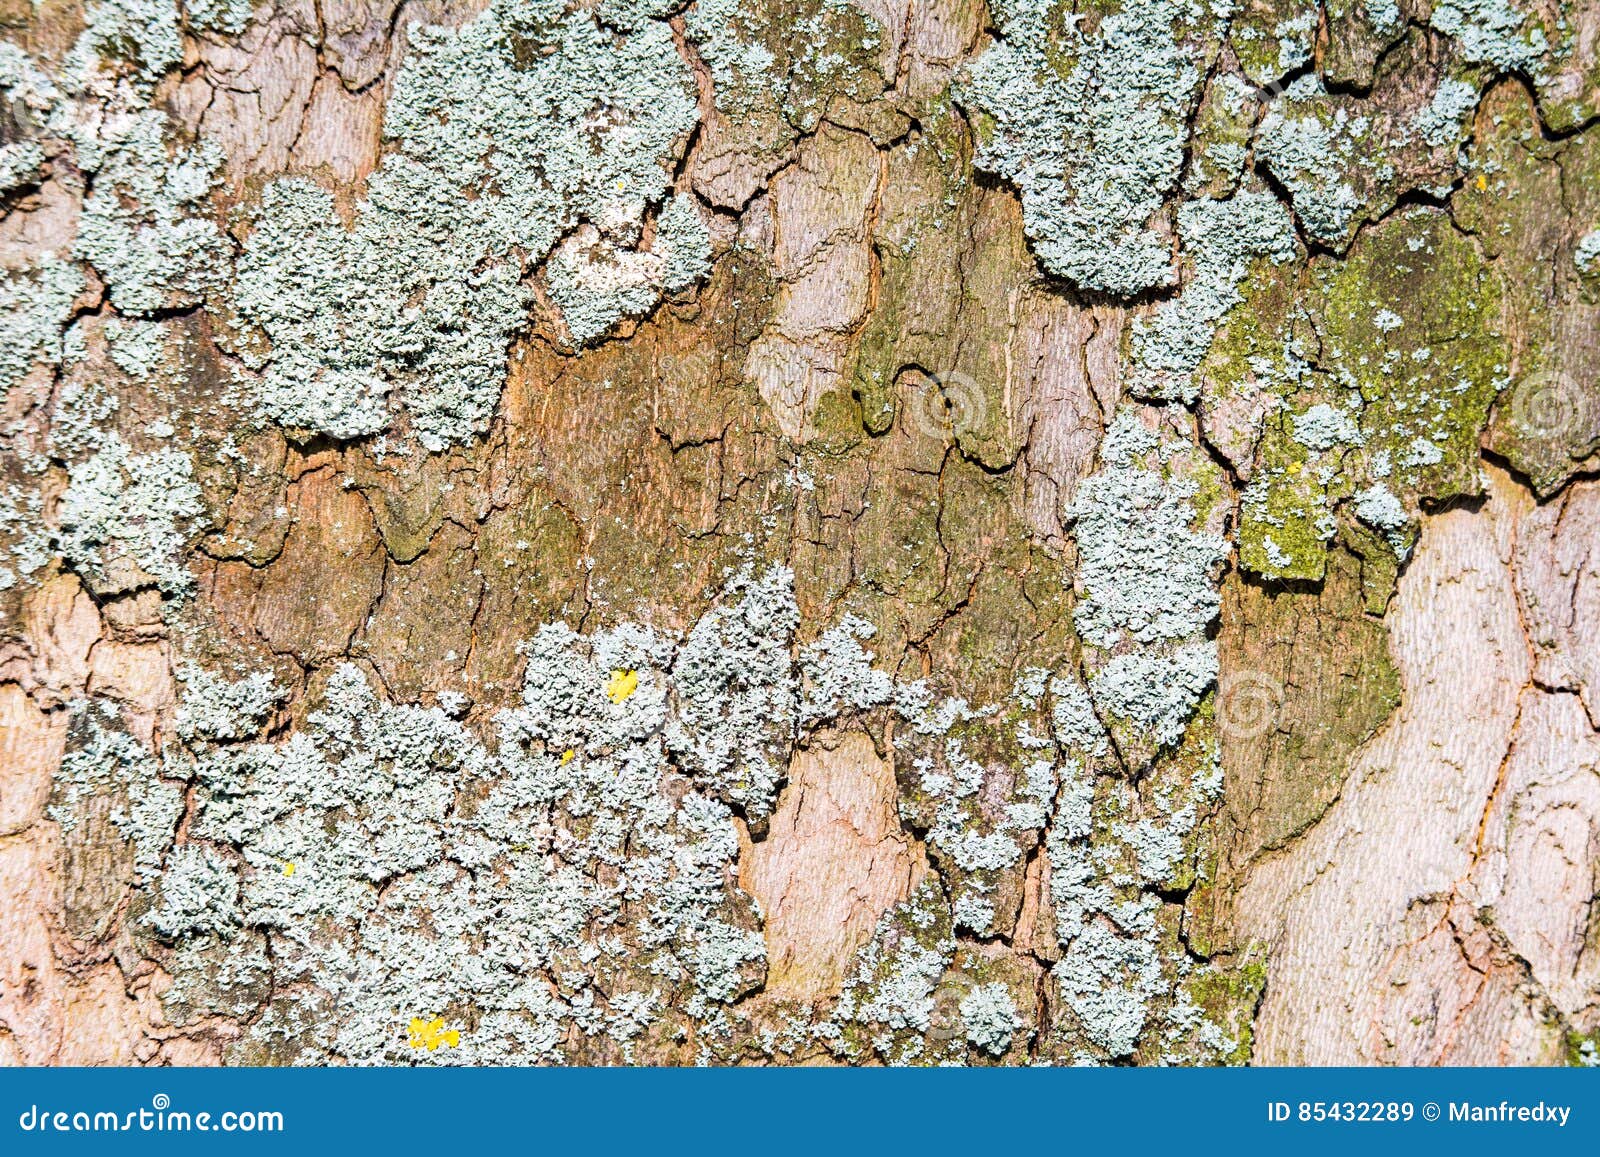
{"x": 810, "y": 531}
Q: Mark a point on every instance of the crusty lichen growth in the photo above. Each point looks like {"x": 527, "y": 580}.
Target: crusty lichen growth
{"x": 566, "y": 891}
{"x": 1324, "y": 263}
{"x": 1223, "y": 238}
{"x": 775, "y": 69}
{"x": 1147, "y": 576}
{"x": 124, "y": 515}
{"x": 568, "y": 882}
{"x": 34, "y": 307}
{"x": 1090, "y": 126}
{"x": 147, "y": 227}
{"x": 529, "y": 124}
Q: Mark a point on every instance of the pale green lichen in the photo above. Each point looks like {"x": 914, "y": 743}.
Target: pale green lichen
{"x": 1274, "y": 40}
{"x": 1157, "y": 691}
{"x": 892, "y": 988}
{"x": 573, "y": 880}
{"x": 839, "y": 674}
{"x": 31, "y": 99}
{"x": 736, "y": 692}
{"x": 1122, "y": 972}
{"x": 1380, "y": 509}
{"x": 146, "y": 228}
{"x": 22, "y": 523}
{"x": 1309, "y": 153}
{"x": 400, "y": 863}
{"x": 144, "y": 38}
{"x": 1114, "y": 844}
{"x": 1492, "y": 31}
{"x": 1148, "y": 578}
{"x": 1586, "y": 257}
{"x": 84, "y": 407}
{"x": 980, "y": 815}
{"x": 775, "y": 70}
{"x": 538, "y": 836}
{"x": 1073, "y": 718}
{"x": 123, "y": 518}
{"x": 981, "y": 779}
{"x": 1295, "y": 36}
{"x": 526, "y": 124}
{"x": 216, "y": 709}
{"x": 230, "y": 16}
{"x": 989, "y": 1017}
{"x": 144, "y": 32}
{"x": 1322, "y": 427}
{"x": 685, "y": 242}
{"x": 19, "y": 165}
{"x": 1221, "y": 238}
{"x": 1091, "y": 129}
{"x": 139, "y": 348}
{"x": 1407, "y": 358}
{"x": 1147, "y": 573}
{"x": 34, "y": 307}
{"x": 1440, "y": 122}
{"x": 198, "y": 894}
{"x": 596, "y": 283}
{"x": 104, "y": 761}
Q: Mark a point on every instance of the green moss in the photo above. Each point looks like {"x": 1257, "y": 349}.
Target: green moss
{"x": 1253, "y": 346}
{"x": 1407, "y": 358}
{"x": 839, "y": 424}
{"x": 1413, "y": 321}
{"x": 1284, "y": 523}
{"x": 1229, "y": 997}
{"x": 1583, "y": 1050}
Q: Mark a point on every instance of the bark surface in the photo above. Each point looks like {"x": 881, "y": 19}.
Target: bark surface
{"x": 799, "y": 531}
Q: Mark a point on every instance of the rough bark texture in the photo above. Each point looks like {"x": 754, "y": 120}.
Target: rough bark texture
{"x": 799, "y": 531}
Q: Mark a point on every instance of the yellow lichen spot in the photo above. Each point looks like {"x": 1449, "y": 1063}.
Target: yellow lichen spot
{"x": 566, "y": 756}
{"x": 621, "y": 685}
{"x": 430, "y": 1034}
{"x": 1483, "y": 182}
{"x": 1294, "y": 468}
{"x": 288, "y": 869}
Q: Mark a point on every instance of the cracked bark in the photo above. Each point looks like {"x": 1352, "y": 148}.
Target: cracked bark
{"x": 1414, "y": 841}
